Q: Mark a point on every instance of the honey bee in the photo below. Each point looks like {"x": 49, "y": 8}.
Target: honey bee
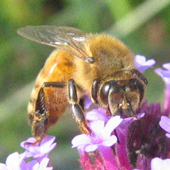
{"x": 98, "y": 65}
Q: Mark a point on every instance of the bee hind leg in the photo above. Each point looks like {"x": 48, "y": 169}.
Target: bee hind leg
{"x": 40, "y": 119}
{"x": 78, "y": 112}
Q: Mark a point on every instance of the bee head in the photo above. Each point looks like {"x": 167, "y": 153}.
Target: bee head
{"x": 122, "y": 96}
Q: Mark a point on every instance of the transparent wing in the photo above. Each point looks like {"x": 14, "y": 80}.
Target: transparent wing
{"x": 66, "y": 38}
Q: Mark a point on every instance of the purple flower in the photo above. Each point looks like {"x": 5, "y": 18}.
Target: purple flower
{"x": 102, "y": 135}
{"x": 165, "y": 124}
{"x": 97, "y": 114}
{"x": 132, "y": 143}
{"x": 165, "y": 74}
{"x": 160, "y": 164}
{"x": 141, "y": 63}
{"x": 35, "y": 165}
{"x": 14, "y": 161}
{"x": 138, "y": 141}
{"x": 101, "y": 140}
{"x": 87, "y": 102}
{"x": 149, "y": 140}
{"x": 38, "y": 151}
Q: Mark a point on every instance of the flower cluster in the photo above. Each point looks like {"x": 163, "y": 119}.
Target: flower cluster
{"x": 37, "y": 151}
{"x": 134, "y": 143}
{"x": 129, "y": 144}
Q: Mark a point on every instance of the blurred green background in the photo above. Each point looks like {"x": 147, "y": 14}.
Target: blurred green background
{"x": 144, "y": 25}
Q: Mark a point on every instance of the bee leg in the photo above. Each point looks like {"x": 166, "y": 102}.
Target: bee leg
{"x": 141, "y": 76}
{"x": 40, "y": 120}
{"x": 95, "y": 88}
{"x": 78, "y": 112}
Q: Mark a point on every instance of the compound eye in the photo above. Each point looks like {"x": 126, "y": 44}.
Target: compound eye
{"x": 111, "y": 86}
{"x": 105, "y": 92}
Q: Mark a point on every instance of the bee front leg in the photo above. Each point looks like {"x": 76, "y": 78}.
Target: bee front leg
{"x": 140, "y": 76}
{"x": 78, "y": 112}
{"x": 95, "y": 88}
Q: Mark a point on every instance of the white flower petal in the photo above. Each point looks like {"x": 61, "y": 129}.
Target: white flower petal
{"x": 97, "y": 126}
{"x": 91, "y": 148}
{"x": 166, "y": 66}
{"x": 13, "y": 161}
{"x": 110, "y": 141}
{"x": 3, "y": 166}
{"x": 79, "y": 140}
{"x": 160, "y": 164}
{"x": 112, "y": 124}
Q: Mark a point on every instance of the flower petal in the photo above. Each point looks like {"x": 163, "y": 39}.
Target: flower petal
{"x": 3, "y": 166}
{"x": 38, "y": 151}
{"x": 87, "y": 102}
{"x": 91, "y": 148}
{"x": 47, "y": 144}
{"x": 112, "y": 124}
{"x": 141, "y": 63}
{"x": 14, "y": 161}
{"x": 33, "y": 165}
{"x": 44, "y": 164}
{"x": 97, "y": 114}
{"x": 166, "y": 66}
{"x": 80, "y": 140}
{"x": 97, "y": 126}
{"x": 165, "y": 123}
{"x": 165, "y": 74}
{"x": 167, "y": 135}
{"x": 160, "y": 164}
{"x": 110, "y": 141}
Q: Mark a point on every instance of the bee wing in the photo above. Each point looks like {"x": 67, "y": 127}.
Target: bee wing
{"x": 66, "y": 38}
